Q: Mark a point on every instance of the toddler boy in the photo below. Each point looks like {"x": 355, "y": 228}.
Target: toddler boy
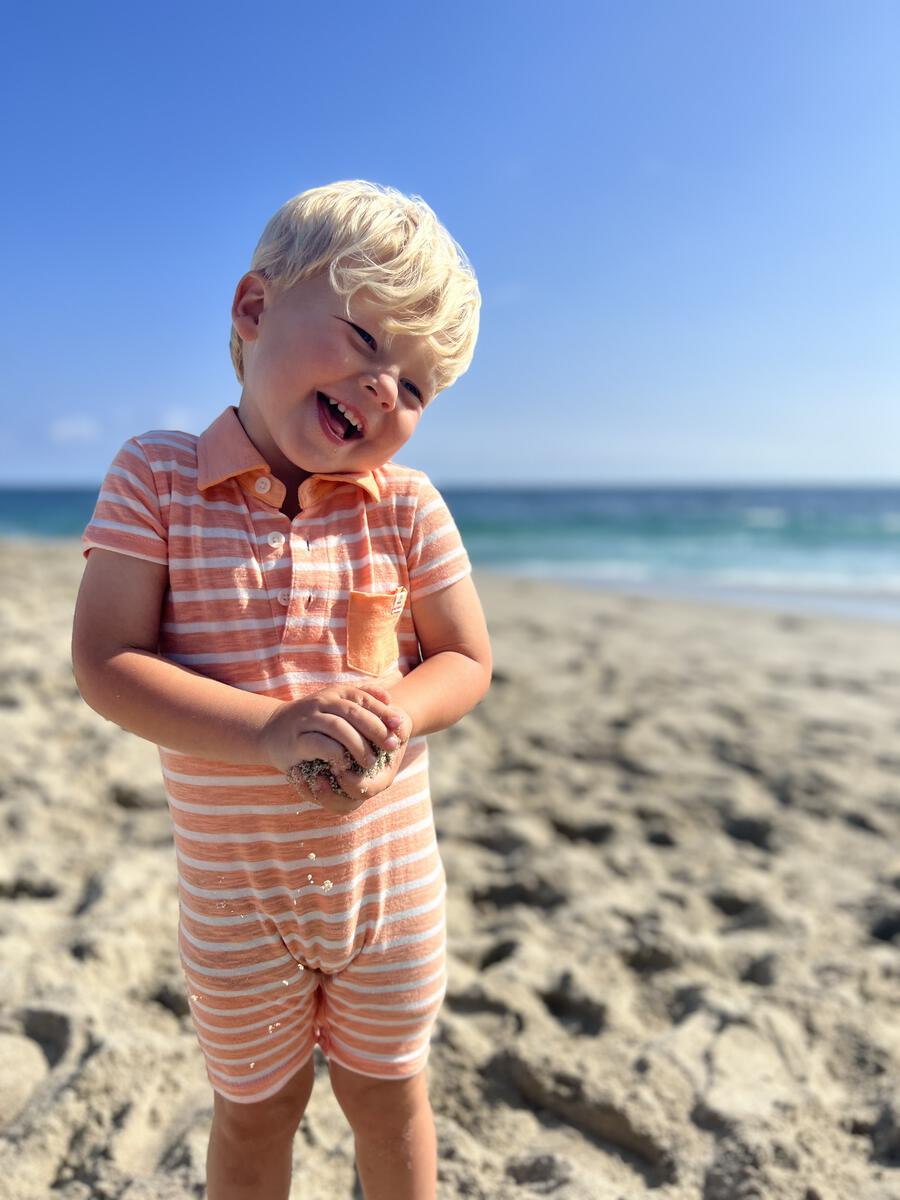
{"x": 276, "y": 591}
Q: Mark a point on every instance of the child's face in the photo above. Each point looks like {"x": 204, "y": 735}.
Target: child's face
{"x": 300, "y": 347}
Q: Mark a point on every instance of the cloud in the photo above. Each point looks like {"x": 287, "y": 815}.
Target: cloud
{"x": 74, "y": 429}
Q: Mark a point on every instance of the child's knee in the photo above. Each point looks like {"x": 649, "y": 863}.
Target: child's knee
{"x": 271, "y": 1120}
{"x": 371, "y": 1102}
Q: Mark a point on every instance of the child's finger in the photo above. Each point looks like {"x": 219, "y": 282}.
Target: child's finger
{"x": 364, "y": 724}
{"x": 318, "y": 744}
{"x": 332, "y": 802}
{"x": 373, "y": 689}
{"x": 343, "y": 798}
{"x": 360, "y": 788}
{"x": 388, "y": 715}
{"x": 315, "y": 786}
{"x": 391, "y": 718}
{"x": 357, "y": 737}
{"x": 353, "y": 791}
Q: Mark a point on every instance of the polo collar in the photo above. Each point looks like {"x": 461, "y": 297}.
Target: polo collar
{"x": 225, "y": 452}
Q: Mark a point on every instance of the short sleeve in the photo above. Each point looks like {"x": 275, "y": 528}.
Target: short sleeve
{"x": 437, "y": 557}
{"x": 127, "y": 517}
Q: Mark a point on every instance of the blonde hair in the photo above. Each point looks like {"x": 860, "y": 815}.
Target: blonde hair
{"x": 373, "y": 237}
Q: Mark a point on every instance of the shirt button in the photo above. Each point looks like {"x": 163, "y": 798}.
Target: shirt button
{"x": 275, "y": 539}
{"x": 284, "y": 597}
{"x": 263, "y": 485}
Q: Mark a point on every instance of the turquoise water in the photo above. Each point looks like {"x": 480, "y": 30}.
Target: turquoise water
{"x": 831, "y": 548}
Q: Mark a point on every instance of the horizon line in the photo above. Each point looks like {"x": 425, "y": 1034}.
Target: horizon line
{"x": 547, "y": 484}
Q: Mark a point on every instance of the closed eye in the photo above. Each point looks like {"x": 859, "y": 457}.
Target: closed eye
{"x": 370, "y": 341}
{"x": 366, "y": 337}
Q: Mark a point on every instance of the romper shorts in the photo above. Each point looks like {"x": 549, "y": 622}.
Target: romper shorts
{"x": 299, "y": 927}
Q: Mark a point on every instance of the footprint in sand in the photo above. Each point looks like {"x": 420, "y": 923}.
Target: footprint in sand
{"x": 499, "y": 952}
{"x": 28, "y": 887}
{"x": 51, "y": 1031}
{"x": 534, "y": 892}
{"x": 597, "y": 833}
{"x": 576, "y": 1012}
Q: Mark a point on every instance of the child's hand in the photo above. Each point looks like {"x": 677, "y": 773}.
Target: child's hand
{"x": 334, "y": 781}
{"x": 383, "y": 778}
{"x": 323, "y": 760}
{"x": 327, "y": 774}
{"x": 343, "y": 716}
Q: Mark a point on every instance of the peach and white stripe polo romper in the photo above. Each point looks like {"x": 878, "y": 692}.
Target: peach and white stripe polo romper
{"x": 297, "y": 926}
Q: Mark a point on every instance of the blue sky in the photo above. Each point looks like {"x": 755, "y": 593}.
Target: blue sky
{"x": 683, "y": 217}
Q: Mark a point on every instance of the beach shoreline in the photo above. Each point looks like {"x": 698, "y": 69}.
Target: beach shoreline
{"x": 883, "y": 608}
{"x": 670, "y": 835}
{"x": 844, "y": 605}
{"x": 814, "y": 548}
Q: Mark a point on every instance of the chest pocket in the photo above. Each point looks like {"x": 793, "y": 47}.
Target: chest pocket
{"x": 372, "y": 630}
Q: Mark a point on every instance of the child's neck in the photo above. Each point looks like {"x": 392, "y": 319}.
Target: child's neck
{"x": 291, "y": 505}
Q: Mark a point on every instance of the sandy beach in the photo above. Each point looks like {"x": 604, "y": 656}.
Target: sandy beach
{"x": 671, "y": 840}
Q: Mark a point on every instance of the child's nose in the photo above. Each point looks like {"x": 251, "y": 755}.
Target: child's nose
{"x": 384, "y": 386}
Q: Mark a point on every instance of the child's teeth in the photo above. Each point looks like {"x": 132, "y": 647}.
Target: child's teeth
{"x": 349, "y": 415}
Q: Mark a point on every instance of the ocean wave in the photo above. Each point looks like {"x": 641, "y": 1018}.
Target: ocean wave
{"x": 574, "y": 569}
{"x": 884, "y": 585}
{"x": 837, "y": 583}
{"x": 765, "y": 518}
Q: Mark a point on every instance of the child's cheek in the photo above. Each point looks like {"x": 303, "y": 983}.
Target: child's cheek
{"x": 345, "y": 359}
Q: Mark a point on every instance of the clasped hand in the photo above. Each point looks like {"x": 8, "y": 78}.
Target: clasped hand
{"x": 338, "y": 718}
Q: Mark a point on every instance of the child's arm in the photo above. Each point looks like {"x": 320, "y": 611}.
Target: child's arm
{"x": 456, "y": 669}
{"x": 121, "y": 675}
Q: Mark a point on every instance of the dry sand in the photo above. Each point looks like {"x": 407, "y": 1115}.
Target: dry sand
{"x": 671, "y": 840}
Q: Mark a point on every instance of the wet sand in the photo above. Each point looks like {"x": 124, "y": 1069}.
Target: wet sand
{"x": 671, "y": 840}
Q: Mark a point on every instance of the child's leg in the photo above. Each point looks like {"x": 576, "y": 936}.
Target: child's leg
{"x": 250, "y": 1145}
{"x": 392, "y": 1123}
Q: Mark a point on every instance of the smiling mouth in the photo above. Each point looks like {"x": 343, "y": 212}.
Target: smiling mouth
{"x": 342, "y": 427}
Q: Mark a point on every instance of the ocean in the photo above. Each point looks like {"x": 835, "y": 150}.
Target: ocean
{"x": 804, "y": 549}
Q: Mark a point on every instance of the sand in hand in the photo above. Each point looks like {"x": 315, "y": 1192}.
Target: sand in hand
{"x": 670, "y": 834}
{"x": 302, "y": 774}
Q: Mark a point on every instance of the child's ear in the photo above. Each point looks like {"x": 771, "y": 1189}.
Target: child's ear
{"x": 249, "y": 302}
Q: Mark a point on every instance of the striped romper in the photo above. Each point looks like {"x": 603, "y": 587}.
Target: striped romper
{"x": 297, "y": 926}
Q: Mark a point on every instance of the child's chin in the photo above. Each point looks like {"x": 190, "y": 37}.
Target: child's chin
{"x": 365, "y": 462}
